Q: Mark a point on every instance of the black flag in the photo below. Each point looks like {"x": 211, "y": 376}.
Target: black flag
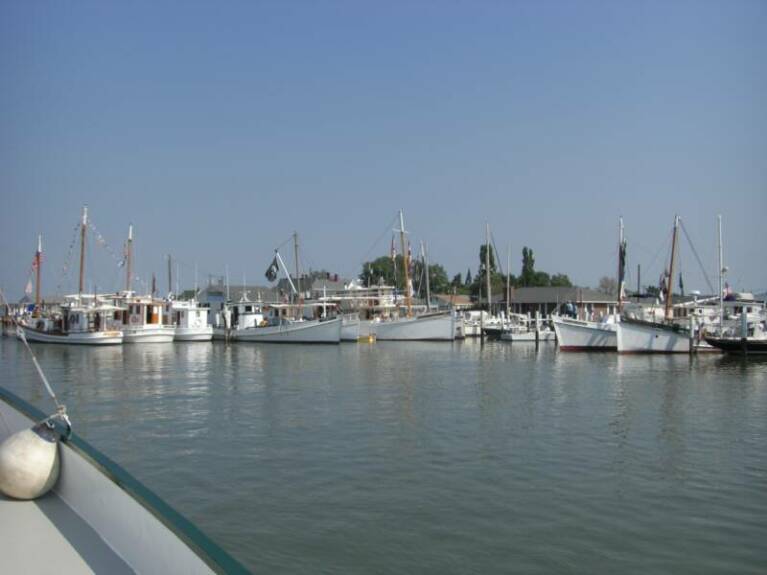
{"x": 271, "y": 271}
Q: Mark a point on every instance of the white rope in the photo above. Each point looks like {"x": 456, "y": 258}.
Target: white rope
{"x": 61, "y": 410}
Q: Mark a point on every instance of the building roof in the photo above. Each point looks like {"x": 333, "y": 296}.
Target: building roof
{"x": 539, "y": 295}
{"x": 458, "y": 300}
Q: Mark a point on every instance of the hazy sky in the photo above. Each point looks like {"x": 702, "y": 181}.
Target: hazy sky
{"x": 219, "y": 128}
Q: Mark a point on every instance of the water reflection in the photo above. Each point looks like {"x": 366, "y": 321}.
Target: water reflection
{"x": 429, "y": 452}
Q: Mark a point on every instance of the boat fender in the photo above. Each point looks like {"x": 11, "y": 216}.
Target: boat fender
{"x": 29, "y": 462}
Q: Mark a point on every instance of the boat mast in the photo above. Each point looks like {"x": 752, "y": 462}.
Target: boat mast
{"x": 426, "y": 267}
{"x": 38, "y": 259}
{"x": 129, "y": 260}
{"x": 406, "y": 264}
{"x": 721, "y": 272}
{"x": 83, "y": 228}
{"x": 508, "y": 283}
{"x": 621, "y": 263}
{"x": 670, "y": 283}
{"x": 226, "y": 271}
{"x": 298, "y": 276}
{"x": 487, "y": 265}
{"x": 170, "y": 276}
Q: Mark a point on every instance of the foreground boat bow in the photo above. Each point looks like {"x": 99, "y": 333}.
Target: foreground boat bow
{"x": 98, "y": 518}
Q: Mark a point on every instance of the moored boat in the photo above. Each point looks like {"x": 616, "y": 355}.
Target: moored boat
{"x": 189, "y": 321}
{"x": 439, "y": 326}
{"x": 76, "y": 324}
{"x": 579, "y": 335}
{"x": 637, "y": 336}
{"x": 142, "y": 319}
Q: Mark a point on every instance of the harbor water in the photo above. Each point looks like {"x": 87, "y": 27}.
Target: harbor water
{"x": 433, "y": 457}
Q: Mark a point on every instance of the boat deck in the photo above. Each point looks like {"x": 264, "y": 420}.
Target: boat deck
{"x": 45, "y": 536}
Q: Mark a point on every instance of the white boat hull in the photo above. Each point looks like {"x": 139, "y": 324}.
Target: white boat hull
{"x": 423, "y": 328}
{"x": 148, "y": 334}
{"x": 471, "y": 329}
{"x": 297, "y": 332}
{"x": 84, "y": 338}
{"x": 350, "y": 329}
{"x": 193, "y": 334}
{"x": 635, "y": 337}
{"x": 528, "y": 336}
{"x": 576, "y": 335}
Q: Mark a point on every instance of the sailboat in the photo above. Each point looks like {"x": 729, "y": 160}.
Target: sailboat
{"x": 250, "y": 321}
{"x": 436, "y": 326}
{"x": 83, "y": 320}
{"x": 749, "y": 335}
{"x": 640, "y": 336}
{"x": 142, "y": 315}
{"x": 581, "y": 335}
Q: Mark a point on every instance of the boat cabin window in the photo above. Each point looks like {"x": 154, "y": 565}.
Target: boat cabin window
{"x": 248, "y": 308}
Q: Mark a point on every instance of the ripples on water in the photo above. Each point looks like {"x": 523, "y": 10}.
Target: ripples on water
{"x": 429, "y": 457}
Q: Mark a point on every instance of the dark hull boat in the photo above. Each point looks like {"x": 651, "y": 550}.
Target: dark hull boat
{"x": 744, "y": 345}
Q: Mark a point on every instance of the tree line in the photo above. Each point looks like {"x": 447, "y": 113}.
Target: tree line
{"x": 390, "y": 271}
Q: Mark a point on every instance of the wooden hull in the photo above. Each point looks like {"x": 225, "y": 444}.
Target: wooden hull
{"x": 298, "y": 332}
{"x": 350, "y": 329}
{"x": 576, "y": 335}
{"x": 193, "y": 334}
{"x": 84, "y": 338}
{"x": 528, "y": 336}
{"x": 148, "y": 334}
{"x": 438, "y": 327}
{"x": 641, "y": 337}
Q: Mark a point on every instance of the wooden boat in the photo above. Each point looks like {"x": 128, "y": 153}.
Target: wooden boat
{"x": 77, "y": 325}
{"x": 638, "y": 336}
{"x": 250, "y": 321}
{"x": 582, "y": 335}
{"x": 189, "y": 321}
{"x": 579, "y": 335}
{"x": 439, "y": 326}
{"x": 82, "y": 320}
{"x": 430, "y": 326}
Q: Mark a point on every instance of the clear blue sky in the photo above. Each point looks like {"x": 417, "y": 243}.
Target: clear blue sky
{"x": 219, "y": 128}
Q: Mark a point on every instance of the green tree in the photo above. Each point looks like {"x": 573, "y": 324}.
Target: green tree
{"x": 527, "y": 277}
{"x": 457, "y": 281}
{"x": 437, "y": 278}
{"x": 468, "y": 278}
{"x": 382, "y": 269}
{"x": 482, "y": 253}
{"x": 561, "y": 280}
{"x": 541, "y": 279}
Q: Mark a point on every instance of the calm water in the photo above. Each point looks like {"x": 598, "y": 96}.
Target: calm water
{"x": 433, "y": 457}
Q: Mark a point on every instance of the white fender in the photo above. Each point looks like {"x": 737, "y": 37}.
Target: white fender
{"x": 29, "y": 462}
